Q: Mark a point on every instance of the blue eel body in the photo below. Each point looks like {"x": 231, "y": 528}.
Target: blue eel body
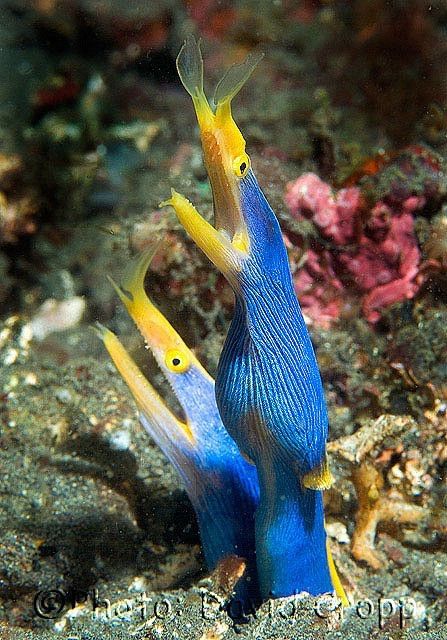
{"x": 270, "y": 397}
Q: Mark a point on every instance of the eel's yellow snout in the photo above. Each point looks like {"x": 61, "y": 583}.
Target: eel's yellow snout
{"x": 226, "y": 160}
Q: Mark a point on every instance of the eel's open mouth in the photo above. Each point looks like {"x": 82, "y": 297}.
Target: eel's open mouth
{"x": 225, "y": 158}
{"x": 162, "y": 423}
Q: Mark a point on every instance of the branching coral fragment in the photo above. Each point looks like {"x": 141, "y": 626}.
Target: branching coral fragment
{"x": 358, "y": 455}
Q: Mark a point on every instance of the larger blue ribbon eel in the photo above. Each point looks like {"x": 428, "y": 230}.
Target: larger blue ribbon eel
{"x": 221, "y": 485}
{"x": 268, "y": 386}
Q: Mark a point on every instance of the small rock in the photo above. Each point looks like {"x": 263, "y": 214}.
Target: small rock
{"x": 56, "y": 315}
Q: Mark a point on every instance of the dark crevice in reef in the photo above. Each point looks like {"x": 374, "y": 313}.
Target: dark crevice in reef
{"x": 103, "y": 545}
{"x": 100, "y": 545}
{"x": 168, "y": 518}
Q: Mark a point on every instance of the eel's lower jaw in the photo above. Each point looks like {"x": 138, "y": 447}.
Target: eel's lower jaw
{"x": 226, "y": 253}
{"x": 149, "y": 403}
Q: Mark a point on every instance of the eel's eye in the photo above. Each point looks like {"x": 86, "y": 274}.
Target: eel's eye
{"x": 177, "y": 361}
{"x": 241, "y": 165}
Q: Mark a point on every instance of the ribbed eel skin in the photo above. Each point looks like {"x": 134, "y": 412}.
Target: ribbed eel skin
{"x": 270, "y": 397}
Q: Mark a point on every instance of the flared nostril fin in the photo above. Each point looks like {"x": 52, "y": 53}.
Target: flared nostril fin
{"x": 132, "y": 288}
{"x": 235, "y": 77}
{"x": 133, "y": 280}
{"x": 190, "y": 66}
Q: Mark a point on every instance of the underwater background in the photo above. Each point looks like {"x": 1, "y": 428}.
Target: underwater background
{"x": 346, "y": 125}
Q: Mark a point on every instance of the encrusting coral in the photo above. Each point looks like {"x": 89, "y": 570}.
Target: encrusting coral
{"x": 378, "y": 260}
{"x": 364, "y": 251}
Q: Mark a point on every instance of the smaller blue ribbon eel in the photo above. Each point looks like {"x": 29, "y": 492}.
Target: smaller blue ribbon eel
{"x": 268, "y": 386}
{"x": 221, "y": 485}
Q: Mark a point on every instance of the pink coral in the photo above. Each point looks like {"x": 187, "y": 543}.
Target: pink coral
{"x": 372, "y": 254}
{"x": 333, "y": 214}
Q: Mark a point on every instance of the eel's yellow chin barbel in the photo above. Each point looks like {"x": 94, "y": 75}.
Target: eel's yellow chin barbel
{"x": 227, "y": 254}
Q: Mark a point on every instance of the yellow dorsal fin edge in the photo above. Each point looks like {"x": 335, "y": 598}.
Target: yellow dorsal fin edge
{"x": 319, "y": 478}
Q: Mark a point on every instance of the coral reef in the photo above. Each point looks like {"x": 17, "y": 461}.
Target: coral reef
{"x": 366, "y": 248}
{"x": 19, "y": 203}
{"x": 94, "y": 130}
{"x": 378, "y": 260}
{"x": 365, "y": 453}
